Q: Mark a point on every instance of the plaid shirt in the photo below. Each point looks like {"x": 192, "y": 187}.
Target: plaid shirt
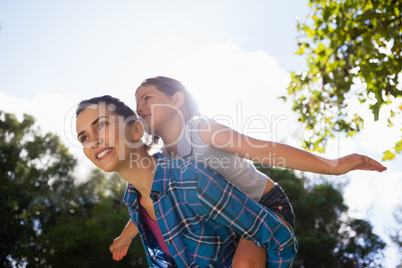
{"x": 201, "y": 216}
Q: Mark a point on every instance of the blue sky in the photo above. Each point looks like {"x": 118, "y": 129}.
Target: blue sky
{"x": 58, "y": 42}
{"x": 234, "y": 56}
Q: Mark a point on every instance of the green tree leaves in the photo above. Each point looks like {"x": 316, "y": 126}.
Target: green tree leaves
{"x": 353, "y": 52}
{"x": 32, "y": 168}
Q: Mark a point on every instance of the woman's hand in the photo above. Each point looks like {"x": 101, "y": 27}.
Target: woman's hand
{"x": 120, "y": 244}
{"x": 119, "y": 247}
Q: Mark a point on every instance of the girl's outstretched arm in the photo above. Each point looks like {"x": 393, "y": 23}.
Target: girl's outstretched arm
{"x": 120, "y": 244}
{"x": 277, "y": 154}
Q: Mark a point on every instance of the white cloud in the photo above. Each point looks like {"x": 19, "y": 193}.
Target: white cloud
{"x": 49, "y": 110}
{"x": 388, "y": 188}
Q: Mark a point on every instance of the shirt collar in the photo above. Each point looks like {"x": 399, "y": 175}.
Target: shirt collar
{"x": 162, "y": 174}
{"x": 159, "y": 186}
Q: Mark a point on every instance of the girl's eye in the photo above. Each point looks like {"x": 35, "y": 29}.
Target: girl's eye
{"x": 147, "y": 98}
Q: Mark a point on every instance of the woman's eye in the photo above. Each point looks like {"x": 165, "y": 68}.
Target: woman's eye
{"x": 102, "y": 125}
{"x": 147, "y": 98}
{"x": 83, "y": 139}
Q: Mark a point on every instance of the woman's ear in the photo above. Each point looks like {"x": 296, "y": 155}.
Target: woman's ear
{"x": 179, "y": 99}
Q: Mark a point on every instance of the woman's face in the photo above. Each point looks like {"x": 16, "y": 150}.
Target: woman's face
{"x": 155, "y": 107}
{"x": 105, "y": 137}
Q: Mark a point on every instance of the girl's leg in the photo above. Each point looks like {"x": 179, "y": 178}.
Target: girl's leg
{"x": 249, "y": 255}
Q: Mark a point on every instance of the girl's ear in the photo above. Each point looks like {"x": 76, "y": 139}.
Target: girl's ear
{"x": 179, "y": 99}
{"x": 138, "y": 130}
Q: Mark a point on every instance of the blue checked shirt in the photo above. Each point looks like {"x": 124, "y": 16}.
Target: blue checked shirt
{"x": 202, "y": 216}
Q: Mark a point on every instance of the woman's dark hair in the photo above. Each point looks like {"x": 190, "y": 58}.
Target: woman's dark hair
{"x": 170, "y": 86}
{"x": 114, "y": 105}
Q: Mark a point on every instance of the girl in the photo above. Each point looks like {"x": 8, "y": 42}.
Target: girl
{"x": 186, "y": 214}
{"x": 171, "y": 114}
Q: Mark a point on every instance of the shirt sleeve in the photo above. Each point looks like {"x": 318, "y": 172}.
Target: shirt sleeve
{"x": 224, "y": 203}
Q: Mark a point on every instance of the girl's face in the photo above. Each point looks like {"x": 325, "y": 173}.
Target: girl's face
{"x": 156, "y": 108}
{"x": 104, "y": 136}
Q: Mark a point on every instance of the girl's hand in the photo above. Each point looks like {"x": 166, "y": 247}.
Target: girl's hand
{"x": 356, "y": 162}
{"x": 119, "y": 248}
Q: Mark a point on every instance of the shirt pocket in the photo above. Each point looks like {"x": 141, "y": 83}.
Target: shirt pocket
{"x": 210, "y": 248}
{"x": 202, "y": 247}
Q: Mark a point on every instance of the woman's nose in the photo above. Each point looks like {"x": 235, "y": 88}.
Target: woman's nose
{"x": 96, "y": 142}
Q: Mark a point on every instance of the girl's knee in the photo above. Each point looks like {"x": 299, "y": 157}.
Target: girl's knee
{"x": 248, "y": 254}
{"x": 247, "y": 262}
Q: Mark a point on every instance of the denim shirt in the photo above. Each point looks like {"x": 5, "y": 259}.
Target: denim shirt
{"x": 202, "y": 216}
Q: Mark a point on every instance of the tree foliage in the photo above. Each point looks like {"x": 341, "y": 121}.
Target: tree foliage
{"x": 353, "y": 51}
{"x": 327, "y": 236}
{"x": 34, "y": 177}
{"x": 83, "y": 240}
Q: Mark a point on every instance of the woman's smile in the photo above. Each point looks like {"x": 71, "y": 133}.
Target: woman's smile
{"x": 101, "y": 154}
